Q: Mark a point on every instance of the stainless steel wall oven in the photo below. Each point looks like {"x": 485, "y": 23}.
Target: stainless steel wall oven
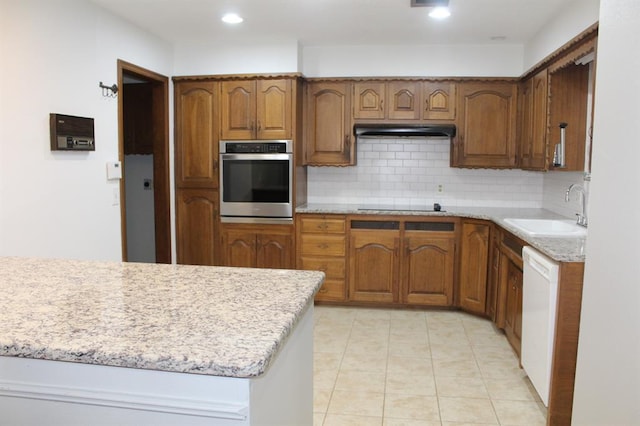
{"x": 256, "y": 181}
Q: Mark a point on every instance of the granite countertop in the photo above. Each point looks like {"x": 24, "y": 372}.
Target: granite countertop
{"x": 559, "y": 249}
{"x": 190, "y": 319}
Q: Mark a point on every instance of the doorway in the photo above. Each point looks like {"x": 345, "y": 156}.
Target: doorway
{"x": 143, "y": 128}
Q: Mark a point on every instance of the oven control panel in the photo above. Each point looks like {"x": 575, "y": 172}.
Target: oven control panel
{"x": 255, "y": 147}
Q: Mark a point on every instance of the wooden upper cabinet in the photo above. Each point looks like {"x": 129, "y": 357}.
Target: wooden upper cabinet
{"x": 381, "y": 101}
{"x": 568, "y": 103}
{"x": 486, "y": 127}
{"x": 196, "y": 134}
{"x": 328, "y": 138}
{"x": 369, "y": 100}
{"x": 256, "y": 109}
{"x": 439, "y": 100}
{"x": 533, "y": 100}
{"x": 403, "y": 100}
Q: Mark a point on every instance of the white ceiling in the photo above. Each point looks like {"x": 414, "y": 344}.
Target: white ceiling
{"x": 338, "y": 22}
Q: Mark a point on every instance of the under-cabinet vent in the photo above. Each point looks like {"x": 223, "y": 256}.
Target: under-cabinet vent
{"x": 429, "y": 3}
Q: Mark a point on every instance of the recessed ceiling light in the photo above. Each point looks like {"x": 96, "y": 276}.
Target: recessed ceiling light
{"x": 440, "y": 13}
{"x": 232, "y": 18}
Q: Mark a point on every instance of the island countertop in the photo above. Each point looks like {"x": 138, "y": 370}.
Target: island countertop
{"x": 218, "y": 321}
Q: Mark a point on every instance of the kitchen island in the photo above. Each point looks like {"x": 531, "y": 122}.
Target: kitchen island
{"x": 86, "y": 342}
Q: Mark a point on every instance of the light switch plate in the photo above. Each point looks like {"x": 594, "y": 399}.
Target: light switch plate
{"x": 114, "y": 170}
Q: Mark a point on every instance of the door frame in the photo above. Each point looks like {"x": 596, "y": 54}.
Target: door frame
{"x": 161, "y": 173}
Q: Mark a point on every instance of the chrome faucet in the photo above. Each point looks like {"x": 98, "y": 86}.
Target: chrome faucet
{"x": 582, "y": 218}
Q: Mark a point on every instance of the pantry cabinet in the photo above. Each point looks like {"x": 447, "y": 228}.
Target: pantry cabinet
{"x": 329, "y": 137}
{"x": 486, "y": 126}
{"x": 474, "y": 256}
{"x": 196, "y": 134}
{"x": 256, "y": 109}
{"x": 258, "y": 246}
{"x": 321, "y": 242}
{"x": 197, "y": 228}
{"x": 533, "y": 100}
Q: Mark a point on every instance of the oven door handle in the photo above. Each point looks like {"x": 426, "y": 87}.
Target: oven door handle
{"x": 256, "y": 156}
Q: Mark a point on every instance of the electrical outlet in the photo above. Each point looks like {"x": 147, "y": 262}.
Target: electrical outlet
{"x": 116, "y": 197}
{"x": 440, "y": 188}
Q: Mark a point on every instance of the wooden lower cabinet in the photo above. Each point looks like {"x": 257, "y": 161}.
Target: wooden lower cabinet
{"x": 321, "y": 243}
{"x": 428, "y": 268}
{"x": 258, "y": 246}
{"x": 197, "y": 229}
{"x": 374, "y": 265}
{"x": 513, "y": 306}
{"x": 474, "y": 257}
{"x": 407, "y": 262}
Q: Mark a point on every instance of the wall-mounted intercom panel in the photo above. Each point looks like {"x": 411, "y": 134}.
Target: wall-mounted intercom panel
{"x": 70, "y": 133}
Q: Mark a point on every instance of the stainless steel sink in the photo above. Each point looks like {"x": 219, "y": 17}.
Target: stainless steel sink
{"x": 548, "y": 227}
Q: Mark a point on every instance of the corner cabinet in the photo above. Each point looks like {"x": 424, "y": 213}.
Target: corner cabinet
{"x": 256, "y": 109}
{"x": 197, "y": 229}
{"x": 258, "y": 246}
{"x": 474, "y": 257}
{"x": 328, "y": 136}
{"x": 196, "y": 133}
{"x": 486, "y": 126}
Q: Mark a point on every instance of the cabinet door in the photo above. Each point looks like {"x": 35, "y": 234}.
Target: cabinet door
{"x": 513, "y": 314}
{"x": 196, "y": 229}
{"x": 474, "y": 257}
{"x": 238, "y": 109}
{"x": 373, "y": 265}
{"x": 274, "y": 109}
{"x": 533, "y": 122}
{"x": 487, "y": 126}
{"x": 239, "y": 248}
{"x": 368, "y": 100}
{"x": 439, "y": 101}
{"x": 494, "y": 277}
{"x": 274, "y": 251}
{"x": 196, "y": 134}
{"x": 403, "y": 100}
{"x": 329, "y": 133}
{"x": 428, "y": 268}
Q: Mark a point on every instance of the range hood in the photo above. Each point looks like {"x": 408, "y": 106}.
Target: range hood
{"x": 404, "y": 130}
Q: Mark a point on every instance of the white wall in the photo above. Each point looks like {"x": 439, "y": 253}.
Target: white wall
{"x": 576, "y": 16}
{"x": 413, "y": 171}
{"x": 607, "y": 388}
{"x": 53, "y": 54}
{"x": 235, "y": 58}
{"x": 422, "y": 60}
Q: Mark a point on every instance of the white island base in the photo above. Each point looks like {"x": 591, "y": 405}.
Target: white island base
{"x": 38, "y": 392}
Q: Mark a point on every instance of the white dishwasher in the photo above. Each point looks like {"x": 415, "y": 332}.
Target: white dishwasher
{"x": 539, "y": 303}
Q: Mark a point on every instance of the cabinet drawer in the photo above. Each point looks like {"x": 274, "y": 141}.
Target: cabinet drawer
{"x": 322, "y": 245}
{"x": 331, "y": 290}
{"x": 332, "y": 267}
{"x": 322, "y": 225}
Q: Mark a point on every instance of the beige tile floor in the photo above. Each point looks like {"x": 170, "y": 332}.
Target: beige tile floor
{"x": 408, "y": 367}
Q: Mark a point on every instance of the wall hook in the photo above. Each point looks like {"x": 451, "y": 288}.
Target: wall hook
{"x": 111, "y": 91}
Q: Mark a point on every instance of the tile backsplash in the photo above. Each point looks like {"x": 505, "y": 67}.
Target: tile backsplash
{"x": 555, "y": 187}
{"x": 415, "y": 171}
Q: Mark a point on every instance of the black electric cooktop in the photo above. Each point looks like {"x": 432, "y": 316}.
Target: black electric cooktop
{"x": 399, "y": 207}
